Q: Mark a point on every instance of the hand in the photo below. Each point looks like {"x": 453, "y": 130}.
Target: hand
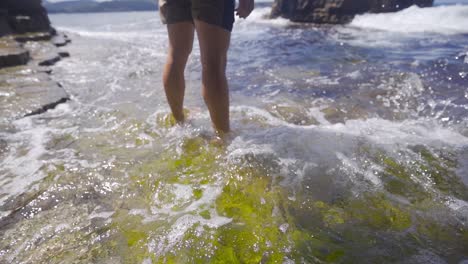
{"x": 245, "y": 8}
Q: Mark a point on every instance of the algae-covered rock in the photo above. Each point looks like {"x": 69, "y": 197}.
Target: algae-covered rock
{"x": 293, "y": 115}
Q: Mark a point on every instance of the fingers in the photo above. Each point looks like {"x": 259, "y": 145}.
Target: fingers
{"x": 245, "y": 8}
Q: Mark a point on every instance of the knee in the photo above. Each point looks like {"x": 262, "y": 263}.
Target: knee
{"x": 214, "y": 68}
{"x": 177, "y": 58}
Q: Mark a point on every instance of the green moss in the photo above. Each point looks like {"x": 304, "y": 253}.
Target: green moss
{"x": 197, "y": 193}
{"x": 205, "y": 214}
{"x": 195, "y": 164}
{"x": 395, "y": 169}
{"x": 311, "y": 231}
{"x": 334, "y": 256}
{"x": 167, "y": 120}
{"x": 442, "y": 172}
{"x": 225, "y": 255}
{"x": 379, "y": 213}
{"x": 250, "y": 204}
{"x": 141, "y": 142}
{"x": 397, "y": 179}
{"x": 243, "y": 240}
{"x": 129, "y": 237}
{"x": 434, "y": 231}
{"x": 331, "y": 216}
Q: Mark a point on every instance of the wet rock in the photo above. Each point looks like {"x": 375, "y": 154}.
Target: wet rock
{"x": 337, "y": 11}
{"x": 11, "y": 54}
{"x": 41, "y": 36}
{"x": 28, "y": 92}
{"x": 64, "y": 54}
{"x": 61, "y": 40}
{"x": 13, "y": 57}
{"x": 52, "y": 105}
{"x": 39, "y": 98}
{"x": 344, "y": 112}
{"x": 51, "y": 61}
{"x": 292, "y": 114}
{"x": 45, "y": 53}
{"x": 26, "y": 16}
{"x": 3, "y": 147}
{"x": 28, "y": 21}
{"x": 5, "y": 28}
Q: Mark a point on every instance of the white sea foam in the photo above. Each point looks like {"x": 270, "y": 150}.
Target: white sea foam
{"x": 385, "y": 132}
{"x": 26, "y": 168}
{"x": 377, "y": 130}
{"x": 354, "y": 168}
{"x": 260, "y": 16}
{"x": 25, "y": 159}
{"x": 333, "y": 146}
{"x": 439, "y": 19}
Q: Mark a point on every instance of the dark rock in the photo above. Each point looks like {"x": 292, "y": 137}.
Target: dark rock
{"x": 41, "y": 36}
{"x": 61, "y": 40}
{"x": 27, "y": 16}
{"x": 51, "y": 61}
{"x": 23, "y": 16}
{"x": 64, "y": 54}
{"x": 46, "y": 107}
{"x": 14, "y": 58}
{"x": 3, "y": 147}
{"x": 5, "y": 28}
{"x": 27, "y": 90}
{"x": 28, "y": 21}
{"x": 11, "y": 54}
{"x": 337, "y": 11}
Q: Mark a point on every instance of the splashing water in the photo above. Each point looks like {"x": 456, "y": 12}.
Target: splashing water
{"x": 349, "y": 144}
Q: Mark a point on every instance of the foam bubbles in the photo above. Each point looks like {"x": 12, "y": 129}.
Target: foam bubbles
{"x": 441, "y": 20}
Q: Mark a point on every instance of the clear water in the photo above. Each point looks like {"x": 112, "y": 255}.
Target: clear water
{"x": 349, "y": 144}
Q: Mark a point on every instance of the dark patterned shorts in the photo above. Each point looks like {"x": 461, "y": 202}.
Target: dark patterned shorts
{"x": 214, "y": 12}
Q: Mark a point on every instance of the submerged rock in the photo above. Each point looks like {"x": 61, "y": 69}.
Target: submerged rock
{"x": 337, "y": 11}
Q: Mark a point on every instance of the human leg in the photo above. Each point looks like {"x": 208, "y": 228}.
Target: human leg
{"x": 180, "y": 46}
{"x": 214, "y": 44}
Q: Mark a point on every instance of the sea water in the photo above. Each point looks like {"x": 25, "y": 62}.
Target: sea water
{"x": 349, "y": 145}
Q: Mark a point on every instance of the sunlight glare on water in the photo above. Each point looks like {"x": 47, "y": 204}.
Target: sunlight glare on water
{"x": 349, "y": 143}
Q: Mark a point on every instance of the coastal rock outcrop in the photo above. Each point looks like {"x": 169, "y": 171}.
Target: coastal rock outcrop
{"x": 27, "y": 20}
{"x": 337, "y": 11}
{"x": 23, "y": 16}
{"x": 12, "y": 54}
{"x": 28, "y": 43}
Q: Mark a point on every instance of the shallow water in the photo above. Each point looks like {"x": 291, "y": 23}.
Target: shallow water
{"x": 349, "y": 144}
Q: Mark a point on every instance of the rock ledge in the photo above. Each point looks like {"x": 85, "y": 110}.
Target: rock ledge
{"x": 337, "y": 11}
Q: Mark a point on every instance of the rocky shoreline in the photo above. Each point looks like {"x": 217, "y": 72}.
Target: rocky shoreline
{"x": 337, "y": 11}
{"x": 29, "y": 46}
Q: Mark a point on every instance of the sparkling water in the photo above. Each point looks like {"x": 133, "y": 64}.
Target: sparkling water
{"x": 349, "y": 145}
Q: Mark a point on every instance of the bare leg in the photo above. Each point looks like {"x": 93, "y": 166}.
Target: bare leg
{"x": 180, "y": 47}
{"x": 214, "y": 44}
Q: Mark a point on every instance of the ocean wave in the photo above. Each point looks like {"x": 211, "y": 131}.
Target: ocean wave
{"x": 440, "y": 19}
